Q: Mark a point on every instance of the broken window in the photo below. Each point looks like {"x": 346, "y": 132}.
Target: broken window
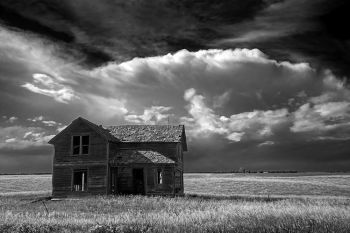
{"x": 80, "y": 180}
{"x": 85, "y": 144}
{"x": 81, "y": 145}
{"x": 76, "y": 145}
{"x": 159, "y": 176}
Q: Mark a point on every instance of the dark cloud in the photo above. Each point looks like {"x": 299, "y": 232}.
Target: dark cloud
{"x": 98, "y": 32}
{"x": 24, "y": 163}
{"x": 14, "y": 19}
{"x": 208, "y": 156}
{"x": 300, "y": 31}
{"x": 337, "y": 16}
{"x": 107, "y": 31}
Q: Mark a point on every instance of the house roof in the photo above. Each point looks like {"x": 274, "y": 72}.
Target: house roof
{"x": 141, "y": 156}
{"x": 138, "y": 133}
{"x": 147, "y": 133}
{"x": 98, "y": 129}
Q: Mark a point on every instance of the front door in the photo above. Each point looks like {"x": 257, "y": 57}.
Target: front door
{"x": 138, "y": 182}
{"x": 114, "y": 178}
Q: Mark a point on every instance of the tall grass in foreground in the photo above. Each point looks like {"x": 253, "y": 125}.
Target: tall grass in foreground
{"x": 181, "y": 214}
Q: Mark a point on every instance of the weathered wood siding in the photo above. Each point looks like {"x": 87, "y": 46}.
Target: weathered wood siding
{"x": 65, "y": 163}
{"x": 63, "y": 146}
{"x": 61, "y": 180}
{"x": 125, "y": 179}
{"x": 97, "y": 179}
{"x": 172, "y": 173}
{"x": 178, "y": 173}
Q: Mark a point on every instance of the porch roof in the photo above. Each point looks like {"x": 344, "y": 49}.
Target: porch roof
{"x": 140, "y": 156}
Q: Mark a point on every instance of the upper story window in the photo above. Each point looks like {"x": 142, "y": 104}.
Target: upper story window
{"x": 81, "y": 145}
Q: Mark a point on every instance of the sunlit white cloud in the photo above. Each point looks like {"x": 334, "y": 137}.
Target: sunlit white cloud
{"x": 50, "y": 123}
{"x": 282, "y": 91}
{"x": 266, "y": 143}
{"x": 246, "y": 125}
{"x": 322, "y": 117}
{"x": 22, "y": 137}
{"x": 102, "y": 108}
{"x": 244, "y": 94}
{"x": 44, "y": 121}
{"x": 153, "y": 115}
{"x": 35, "y": 119}
{"x": 45, "y": 85}
{"x": 11, "y": 119}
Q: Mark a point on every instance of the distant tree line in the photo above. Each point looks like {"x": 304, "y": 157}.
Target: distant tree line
{"x": 249, "y": 171}
{"x": 243, "y": 170}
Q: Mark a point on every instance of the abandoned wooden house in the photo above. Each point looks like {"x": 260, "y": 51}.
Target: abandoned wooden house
{"x": 125, "y": 159}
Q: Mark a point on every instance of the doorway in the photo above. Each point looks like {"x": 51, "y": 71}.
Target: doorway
{"x": 114, "y": 179}
{"x": 138, "y": 181}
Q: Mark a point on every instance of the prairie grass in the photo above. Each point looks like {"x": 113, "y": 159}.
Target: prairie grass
{"x": 299, "y": 184}
{"x": 24, "y": 184}
{"x": 179, "y": 214}
{"x": 213, "y": 203}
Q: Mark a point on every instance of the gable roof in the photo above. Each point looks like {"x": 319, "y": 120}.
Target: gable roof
{"x": 137, "y": 133}
{"x": 98, "y": 129}
{"x": 141, "y": 156}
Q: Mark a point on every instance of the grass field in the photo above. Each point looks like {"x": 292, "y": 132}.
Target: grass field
{"x": 295, "y": 184}
{"x": 213, "y": 203}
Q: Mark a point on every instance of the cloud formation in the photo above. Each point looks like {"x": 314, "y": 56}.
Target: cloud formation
{"x": 153, "y": 115}
{"x": 245, "y": 95}
{"x": 45, "y": 85}
{"x": 232, "y": 96}
{"x": 279, "y": 19}
{"x": 263, "y": 107}
{"x": 21, "y": 137}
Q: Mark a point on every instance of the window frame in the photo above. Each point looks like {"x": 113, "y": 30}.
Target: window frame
{"x": 159, "y": 176}
{"x": 80, "y": 144}
{"x": 74, "y": 171}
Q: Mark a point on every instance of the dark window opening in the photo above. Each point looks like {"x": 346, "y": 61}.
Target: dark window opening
{"x": 76, "y": 145}
{"x": 85, "y": 144}
{"x": 80, "y": 180}
{"x": 159, "y": 176}
{"x": 81, "y": 145}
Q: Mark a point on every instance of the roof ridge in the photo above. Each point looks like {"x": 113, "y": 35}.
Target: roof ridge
{"x": 147, "y": 133}
{"x": 140, "y": 125}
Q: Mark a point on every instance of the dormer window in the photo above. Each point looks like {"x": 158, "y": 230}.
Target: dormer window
{"x": 81, "y": 145}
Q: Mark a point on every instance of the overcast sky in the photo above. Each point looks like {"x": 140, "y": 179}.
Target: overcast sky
{"x": 259, "y": 84}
